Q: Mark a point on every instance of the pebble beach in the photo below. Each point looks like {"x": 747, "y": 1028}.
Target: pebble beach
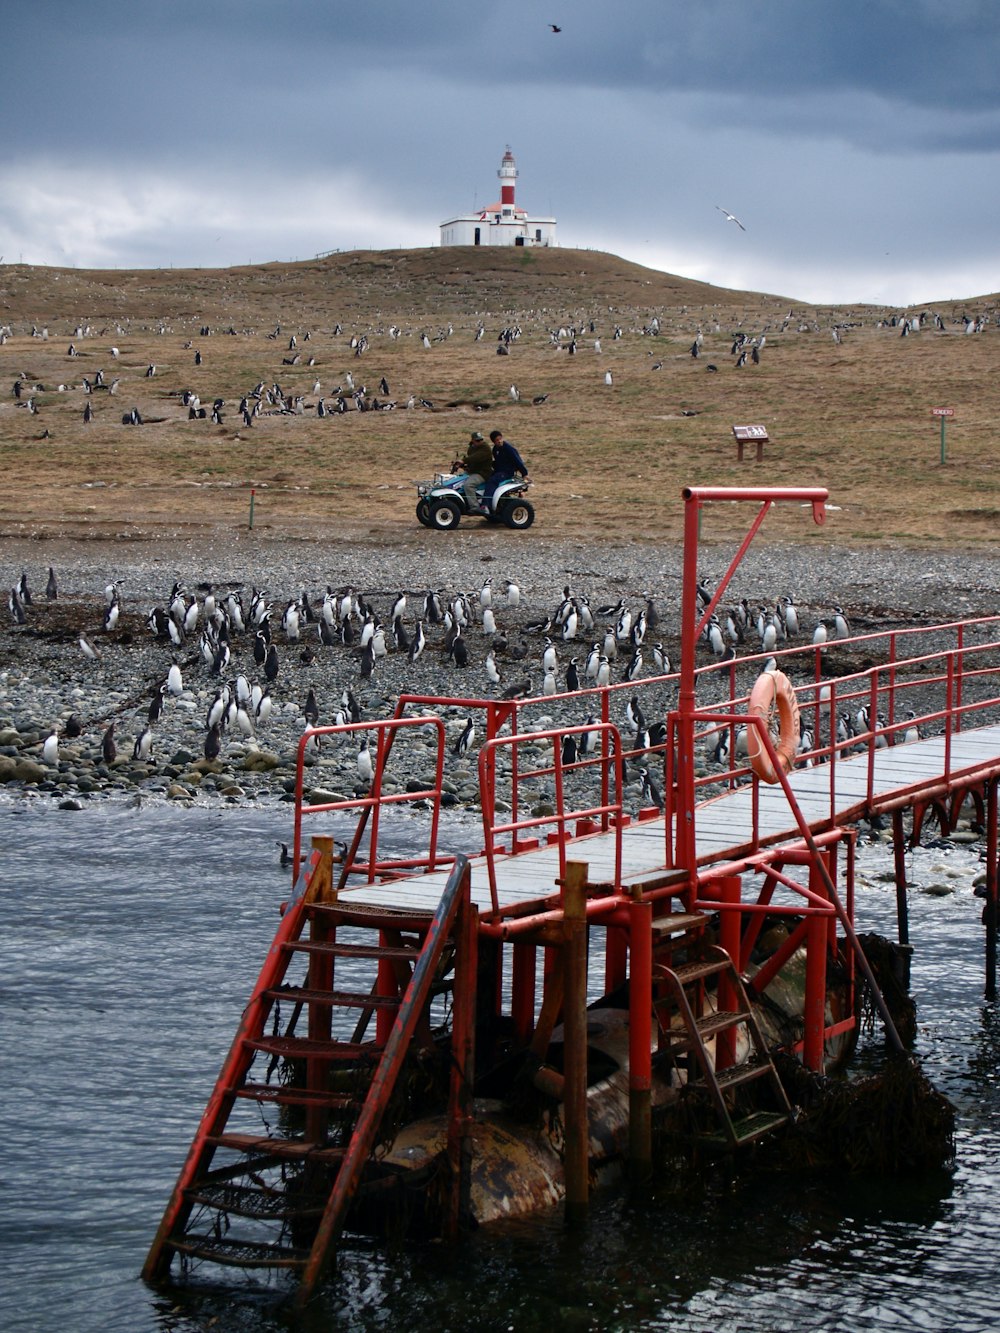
{"x": 45, "y": 678}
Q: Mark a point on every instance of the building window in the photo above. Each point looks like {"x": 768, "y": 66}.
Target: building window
{"x": 538, "y": 233}
{"x": 476, "y": 240}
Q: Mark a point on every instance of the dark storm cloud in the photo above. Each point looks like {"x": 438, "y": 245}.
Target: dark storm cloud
{"x": 223, "y": 130}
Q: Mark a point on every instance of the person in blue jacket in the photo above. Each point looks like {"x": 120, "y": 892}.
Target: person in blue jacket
{"x": 507, "y": 463}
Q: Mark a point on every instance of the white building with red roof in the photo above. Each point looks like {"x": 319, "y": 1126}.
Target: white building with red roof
{"x": 502, "y": 223}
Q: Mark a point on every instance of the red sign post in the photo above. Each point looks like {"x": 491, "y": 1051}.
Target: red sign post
{"x": 944, "y": 413}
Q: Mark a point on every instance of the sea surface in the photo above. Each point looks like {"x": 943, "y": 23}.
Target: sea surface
{"x": 131, "y": 939}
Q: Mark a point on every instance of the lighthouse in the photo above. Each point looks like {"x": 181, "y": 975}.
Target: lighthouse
{"x": 501, "y": 223}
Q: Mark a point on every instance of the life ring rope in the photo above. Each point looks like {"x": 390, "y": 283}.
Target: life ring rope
{"x": 773, "y": 699}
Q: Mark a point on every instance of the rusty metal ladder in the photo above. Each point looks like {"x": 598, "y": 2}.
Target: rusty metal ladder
{"x": 280, "y": 1199}
{"x": 685, "y": 995}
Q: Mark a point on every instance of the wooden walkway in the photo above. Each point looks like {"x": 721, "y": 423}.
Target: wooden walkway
{"x": 723, "y": 828}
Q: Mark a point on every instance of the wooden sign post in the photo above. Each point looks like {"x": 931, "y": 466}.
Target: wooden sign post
{"x": 944, "y": 413}
{"x": 756, "y": 434}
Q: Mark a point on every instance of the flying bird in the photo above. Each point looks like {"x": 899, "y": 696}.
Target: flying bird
{"x": 555, "y": 27}
{"x": 731, "y": 217}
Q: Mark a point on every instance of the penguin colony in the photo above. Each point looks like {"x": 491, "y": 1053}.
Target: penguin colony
{"x": 238, "y": 675}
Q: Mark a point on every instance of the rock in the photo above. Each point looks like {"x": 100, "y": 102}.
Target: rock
{"x": 71, "y": 803}
{"x": 26, "y": 770}
{"x": 260, "y": 761}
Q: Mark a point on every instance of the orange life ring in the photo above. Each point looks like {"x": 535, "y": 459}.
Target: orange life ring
{"x": 773, "y": 692}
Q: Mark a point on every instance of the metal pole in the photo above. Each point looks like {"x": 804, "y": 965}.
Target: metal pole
{"x": 899, "y": 864}
{"x": 640, "y": 1039}
{"x": 990, "y": 914}
{"x": 577, "y": 1160}
{"x": 943, "y": 420}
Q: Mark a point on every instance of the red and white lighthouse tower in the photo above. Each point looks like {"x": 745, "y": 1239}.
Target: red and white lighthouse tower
{"x": 507, "y": 175}
{"x": 500, "y": 223}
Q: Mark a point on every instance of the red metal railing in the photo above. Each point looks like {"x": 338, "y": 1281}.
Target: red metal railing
{"x": 370, "y": 805}
{"x": 605, "y": 810}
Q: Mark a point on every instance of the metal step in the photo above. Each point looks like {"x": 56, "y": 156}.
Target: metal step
{"x": 286, "y": 1094}
{"x": 708, "y": 1025}
{"x": 247, "y": 1201}
{"x": 334, "y": 949}
{"x": 676, "y": 922}
{"x": 302, "y": 1048}
{"x": 744, "y": 1072}
{"x": 344, "y": 913}
{"x": 342, "y": 999}
{"x": 240, "y": 1253}
{"x": 261, "y": 1145}
{"x": 748, "y": 1129}
{"x": 689, "y": 972}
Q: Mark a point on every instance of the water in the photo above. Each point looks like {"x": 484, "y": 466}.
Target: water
{"x": 131, "y": 941}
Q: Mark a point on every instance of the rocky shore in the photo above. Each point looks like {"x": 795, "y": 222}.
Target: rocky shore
{"x": 46, "y": 678}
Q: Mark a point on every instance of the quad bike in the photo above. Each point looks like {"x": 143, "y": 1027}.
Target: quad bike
{"x": 442, "y": 504}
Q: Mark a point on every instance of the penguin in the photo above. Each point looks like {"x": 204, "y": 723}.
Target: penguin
{"x": 604, "y": 671}
{"x": 109, "y": 750}
{"x": 398, "y": 608}
{"x": 262, "y": 707}
{"x": 311, "y": 709}
{"x": 50, "y": 750}
{"x": 549, "y": 683}
{"x": 588, "y": 739}
{"x": 820, "y": 635}
{"x": 549, "y": 659}
{"x": 352, "y": 706}
{"x": 513, "y": 594}
{"x": 568, "y": 750}
{"x": 661, "y": 660}
{"x": 51, "y": 588}
{"x": 271, "y": 664}
{"x": 285, "y": 858}
{"x": 634, "y": 666}
{"x": 492, "y": 671}
{"x": 634, "y": 715}
{"x": 23, "y": 590}
{"x": 489, "y": 621}
{"x": 366, "y": 769}
{"x": 417, "y": 643}
{"x": 460, "y": 651}
{"x": 367, "y": 661}
{"x": 213, "y": 741}
{"x": 400, "y": 638}
{"x": 464, "y": 742}
{"x": 88, "y": 649}
{"x": 175, "y": 682}
{"x": 841, "y": 630}
{"x": 486, "y": 594}
{"x": 142, "y": 750}
{"x": 650, "y": 792}
{"x": 156, "y": 703}
{"x": 593, "y": 662}
{"x": 73, "y": 727}
{"x": 572, "y": 676}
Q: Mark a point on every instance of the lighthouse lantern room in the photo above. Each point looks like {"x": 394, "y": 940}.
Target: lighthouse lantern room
{"x": 502, "y": 223}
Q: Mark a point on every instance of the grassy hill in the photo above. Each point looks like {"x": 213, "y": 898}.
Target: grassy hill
{"x": 846, "y": 398}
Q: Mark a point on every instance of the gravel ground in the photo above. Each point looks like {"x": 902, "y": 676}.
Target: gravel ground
{"x": 45, "y": 676}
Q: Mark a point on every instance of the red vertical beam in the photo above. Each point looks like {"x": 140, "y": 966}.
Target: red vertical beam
{"x": 991, "y": 889}
{"x": 615, "y": 959}
{"x": 522, "y": 1000}
{"x": 730, "y": 929}
{"x": 813, "y": 1045}
{"x": 640, "y": 1037}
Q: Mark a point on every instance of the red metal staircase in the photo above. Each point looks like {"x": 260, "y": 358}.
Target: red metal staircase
{"x": 296, "y": 1117}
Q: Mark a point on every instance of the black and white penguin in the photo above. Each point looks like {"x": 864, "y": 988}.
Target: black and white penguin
{"x": 142, "y": 750}
{"x": 417, "y": 643}
{"x": 572, "y": 675}
{"x": 51, "y": 588}
{"x": 213, "y": 741}
{"x": 271, "y": 664}
{"x": 464, "y": 742}
{"x": 366, "y": 769}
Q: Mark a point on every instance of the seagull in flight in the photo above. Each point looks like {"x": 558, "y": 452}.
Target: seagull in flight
{"x": 731, "y": 217}
{"x": 555, "y": 27}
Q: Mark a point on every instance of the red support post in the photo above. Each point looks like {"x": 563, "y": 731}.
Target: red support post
{"x": 640, "y": 1037}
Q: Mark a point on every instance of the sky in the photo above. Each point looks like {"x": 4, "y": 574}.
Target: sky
{"x": 858, "y": 141}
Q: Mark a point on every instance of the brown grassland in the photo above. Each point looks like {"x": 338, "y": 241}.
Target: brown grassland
{"x": 607, "y": 460}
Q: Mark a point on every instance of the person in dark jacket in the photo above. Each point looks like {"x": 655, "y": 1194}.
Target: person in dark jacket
{"x": 507, "y": 463}
{"x": 478, "y": 464}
